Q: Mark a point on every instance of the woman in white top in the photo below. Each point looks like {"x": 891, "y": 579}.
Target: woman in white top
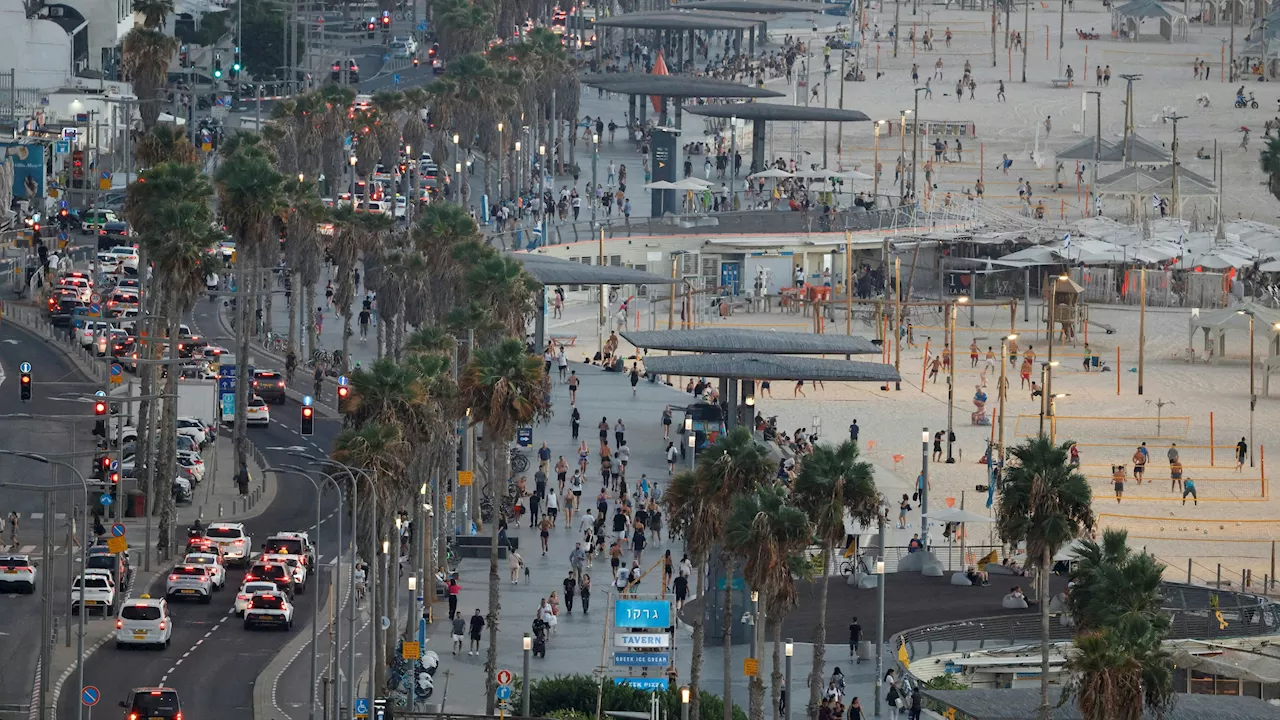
{"x": 686, "y": 567}
{"x": 553, "y": 505}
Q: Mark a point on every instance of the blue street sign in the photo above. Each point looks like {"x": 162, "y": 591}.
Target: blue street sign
{"x": 307, "y": 400}
{"x": 62, "y": 147}
{"x": 226, "y": 385}
{"x": 638, "y": 659}
{"x": 25, "y": 367}
{"x": 386, "y": 58}
{"x": 95, "y": 309}
{"x": 100, "y": 393}
{"x": 503, "y": 692}
{"x": 422, "y": 26}
{"x": 226, "y": 370}
{"x": 105, "y": 499}
{"x": 228, "y": 404}
{"x": 117, "y": 530}
{"x": 115, "y": 464}
{"x": 395, "y": 78}
{"x": 643, "y": 683}
{"x": 342, "y": 379}
{"x": 362, "y": 706}
{"x": 90, "y": 695}
{"x": 642, "y": 614}
{"x": 63, "y": 236}
{"x": 117, "y": 369}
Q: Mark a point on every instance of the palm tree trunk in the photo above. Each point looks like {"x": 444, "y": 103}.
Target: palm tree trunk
{"x": 728, "y": 637}
{"x": 167, "y": 461}
{"x": 1046, "y": 562}
{"x": 495, "y": 607}
{"x": 310, "y": 315}
{"x": 346, "y": 337}
{"x": 381, "y": 338}
{"x": 244, "y": 282}
{"x": 699, "y": 640}
{"x": 755, "y": 689}
{"x": 776, "y": 676}
{"x": 268, "y": 285}
{"x": 293, "y": 322}
{"x": 820, "y": 641}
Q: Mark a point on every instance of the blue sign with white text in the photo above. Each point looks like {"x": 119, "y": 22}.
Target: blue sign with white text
{"x": 642, "y": 614}
{"x": 643, "y": 683}
{"x": 640, "y": 659}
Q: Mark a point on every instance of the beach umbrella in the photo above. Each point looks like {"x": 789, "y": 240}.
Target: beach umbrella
{"x": 771, "y": 173}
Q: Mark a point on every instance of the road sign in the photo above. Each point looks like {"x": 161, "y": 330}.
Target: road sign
{"x": 643, "y": 640}
{"x": 24, "y": 367}
{"x": 117, "y": 373}
{"x": 90, "y": 695}
{"x": 386, "y": 622}
{"x": 503, "y": 677}
{"x": 307, "y": 400}
{"x": 115, "y": 464}
{"x": 362, "y": 707}
{"x": 228, "y": 404}
{"x": 410, "y": 651}
{"x": 750, "y": 667}
{"x": 503, "y": 692}
{"x": 100, "y": 393}
{"x": 226, "y": 384}
{"x": 117, "y": 545}
{"x": 342, "y": 379}
{"x": 422, "y": 26}
{"x": 95, "y": 310}
{"x": 105, "y": 499}
{"x": 395, "y": 78}
{"x": 448, "y": 503}
{"x": 227, "y": 370}
{"x": 642, "y": 614}
{"x": 465, "y": 477}
{"x": 62, "y": 147}
{"x": 643, "y": 683}
{"x": 95, "y": 298}
{"x": 117, "y": 530}
{"x": 642, "y": 659}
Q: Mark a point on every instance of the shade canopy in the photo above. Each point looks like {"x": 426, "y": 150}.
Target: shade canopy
{"x": 956, "y": 515}
{"x": 680, "y": 86}
{"x": 746, "y": 366}
{"x": 684, "y": 20}
{"x": 753, "y": 6}
{"x": 743, "y": 340}
{"x": 778, "y": 113}
{"x": 552, "y": 271}
{"x": 771, "y": 173}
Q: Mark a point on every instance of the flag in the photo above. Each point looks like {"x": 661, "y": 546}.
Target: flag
{"x": 659, "y": 68}
{"x": 1066, "y": 241}
{"x": 902, "y": 653}
{"x": 1155, "y": 201}
{"x": 1179, "y": 241}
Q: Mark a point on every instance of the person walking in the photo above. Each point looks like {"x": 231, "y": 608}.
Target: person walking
{"x": 1175, "y": 475}
{"x": 672, "y": 455}
{"x": 619, "y": 432}
{"x": 1139, "y": 464}
{"x": 578, "y": 558}
{"x": 1000, "y": 97}
{"x": 562, "y": 472}
{"x": 666, "y": 423}
{"x": 544, "y": 532}
{"x": 514, "y": 563}
{"x": 855, "y": 638}
{"x": 454, "y": 589}
{"x": 570, "y": 584}
{"x": 575, "y": 422}
{"x": 13, "y": 530}
{"x": 562, "y": 362}
{"x": 584, "y": 591}
{"x": 477, "y": 625}
{"x": 459, "y": 632}
{"x": 1117, "y": 481}
{"x": 574, "y": 380}
{"x": 553, "y": 505}
{"x": 1242, "y": 452}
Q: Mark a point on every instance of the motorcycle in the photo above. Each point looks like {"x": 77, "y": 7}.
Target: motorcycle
{"x": 181, "y": 489}
{"x": 1243, "y": 102}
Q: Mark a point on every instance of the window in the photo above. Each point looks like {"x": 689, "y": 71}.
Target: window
{"x": 224, "y": 533}
{"x": 140, "y": 612}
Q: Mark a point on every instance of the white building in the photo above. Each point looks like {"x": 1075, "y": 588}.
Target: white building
{"x": 38, "y": 50}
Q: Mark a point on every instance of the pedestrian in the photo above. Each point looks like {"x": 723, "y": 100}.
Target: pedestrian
{"x": 638, "y": 542}
{"x": 570, "y": 590}
{"x": 328, "y": 294}
{"x": 855, "y": 638}
{"x": 584, "y": 591}
{"x": 477, "y": 625}
{"x": 1117, "y": 481}
{"x": 1189, "y": 488}
{"x": 619, "y": 431}
{"x": 1106, "y": 76}
{"x": 562, "y": 362}
{"x": 623, "y": 455}
{"x": 973, "y": 353}
{"x": 575, "y": 421}
{"x": 459, "y": 632}
{"x": 544, "y": 457}
{"x": 544, "y": 532}
{"x": 904, "y": 507}
{"x": 672, "y": 455}
{"x": 603, "y": 427}
{"x": 1172, "y": 453}
{"x": 1139, "y": 464}
{"x": 892, "y": 699}
{"x": 562, "y": 471}
{"x": 799, "y": 389}
{"x": 1242, "y": 452}
{"x": 573, "y": 388}
{"x": 855, "y": 709}
{"x": 937, "y": 447}
{"x": 514, "y": 563}
{"x": 454, "y": 589}
{"x": 578, "y": 556}
{"x": 553, "y": 505}
{"x": 666, "y": 423}
{"x": 13, "y": 530}
{"x": 935, "y": 366}
{"x": 1000, "y": 95}
{"x": 1175, "y": 476}
{"x": 916, "y": 701}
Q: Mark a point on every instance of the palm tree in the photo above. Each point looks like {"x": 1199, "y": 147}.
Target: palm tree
{"x": 1269, "y": 158}
{"x": 764, "y": 530}
{"x": 833, "y": 483}
{"x": 153, "y": 12}
{"x": 1045, "y": 503}
{"x": 1118, "y": 668}
{"x": 249, "y": 195}
{"x": 303, "y": 214}
{"x": 354, "y": 234}
{"x": 165, "y": 143}
{"x": 505, "y": 388}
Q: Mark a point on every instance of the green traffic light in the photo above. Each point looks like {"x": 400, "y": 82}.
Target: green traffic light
{"x": 236, "y": 67}
{"x": 217, "y": 73}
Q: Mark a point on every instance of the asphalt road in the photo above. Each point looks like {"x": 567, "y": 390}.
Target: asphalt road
{"x": 20, "y": 614}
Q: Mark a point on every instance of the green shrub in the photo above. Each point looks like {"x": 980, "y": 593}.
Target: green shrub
{"x": 573, "y": 697}
{"x": 946, "y": 681}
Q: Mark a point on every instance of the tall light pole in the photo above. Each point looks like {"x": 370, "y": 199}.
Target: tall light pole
{"x": 951, "y": 379}
{"x": 455, "y": 186}
{"x": 915, "y": 143}
{"x": 1026, "y": 24}
{"x": 1046, "y": 385}
{"x": 875, "y": 167}
{"x": 525, "y": 693}
{"x": 591, "y": 191}
{"x": 924, "y": 486}
{"x": 351, "y": 160}
{"x": 1062, "y": 24}
{"x": 518, "y": 184}
{"x": 902, "y": 152}
{"x": 1001, "y": 390}
{"x": 880, "y": 613}
{"x": 789, "y": 649}
{"x": 684, "y": 703}
{"x": 1253, "y": 396}
{"x": 502, "y": 150}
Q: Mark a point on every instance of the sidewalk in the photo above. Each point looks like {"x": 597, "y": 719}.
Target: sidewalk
{"x": 215, "y": 499}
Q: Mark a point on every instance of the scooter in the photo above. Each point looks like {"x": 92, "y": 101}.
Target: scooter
{"x": 181, "y": 489}
{"x": 1242, "y": 102}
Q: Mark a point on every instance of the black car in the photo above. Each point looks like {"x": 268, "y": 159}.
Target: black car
{"x": 117, "y": 563}
{"x": 150, "y": 703}
{"x": 269, "y": 385}
{"x": 60, "y": 316}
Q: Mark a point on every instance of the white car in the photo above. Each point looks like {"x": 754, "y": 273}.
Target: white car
{"x": 191, "y": 467}
{"x": 296, "y": 566}
{"x": 93, "y": 330}
{"x": 144, "y": 621}
{"x": 81, "y": 287}
{"x": 269, "y": 609}
{"x": 227, "y": 248}
{"x": 17, "y": 572}
{"x": 217, "y": 573}
{"x": 195, "y": 429}
{"x": 248, "y": 590}
{"x": 257, "y": 412}
{"x": 95, "y": 591}
{"x": 409, "y": 43}
{"x": 119, "y": 254}
{"x": 237, "y": 546}
{"x": 190, "y": 581}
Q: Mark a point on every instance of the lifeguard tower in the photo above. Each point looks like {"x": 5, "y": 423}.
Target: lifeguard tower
{"x": 1069, "y": 310}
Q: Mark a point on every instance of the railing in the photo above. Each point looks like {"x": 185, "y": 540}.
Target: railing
{"x": 952, "y": 557}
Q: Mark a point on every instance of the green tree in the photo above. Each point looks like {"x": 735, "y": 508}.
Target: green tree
{"x": 1045, "y": 503}
{"x": 153, "y": 12}
{"x": 505, "y": 388}
{"x": 165, "y": 143}
{"x": 764, "y": 530}
{"x": 145, "y": 56}
{"x": 355, "y": 233}
{"x": 1269, "y": 159}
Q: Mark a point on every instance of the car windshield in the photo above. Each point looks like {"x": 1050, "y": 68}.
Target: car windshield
{"x": 257, "y": 587}
{"x": 224, "y": 533}
{"x": 140, "y": 612}
{"x": 16, "y": 562}
{"x": 189, "y": 571}
{"x": 285, "y": 546}
{"x": 156, "y": 703}
{"x": 101, "y": 562}
{"x": 93, "y": 582}
{"x": 268, "y": 602}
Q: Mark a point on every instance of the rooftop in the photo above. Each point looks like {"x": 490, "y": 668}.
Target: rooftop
{"x": 684, "y": 20}
{"x": 778, "y": 113}
{"x": 552, "y": 271}
{"x": 747, "y": 340}
{"x": 748, "y": 366}
{"x": 674, "y": 86}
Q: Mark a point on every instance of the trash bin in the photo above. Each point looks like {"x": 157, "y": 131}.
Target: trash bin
{"x": 137, "y": 505}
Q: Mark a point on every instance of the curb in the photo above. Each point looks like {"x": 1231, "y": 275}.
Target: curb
{"x": 26, "y": 318}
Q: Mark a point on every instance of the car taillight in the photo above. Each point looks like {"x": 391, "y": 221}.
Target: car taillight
{"x": 119, "y": 624}
{"x": 133, "y": 716}
{"x": 239, "y": 541}
{"x": 161, "y": 624}
{"x": 173, "y": 578}
{"x": 280, "y": 384}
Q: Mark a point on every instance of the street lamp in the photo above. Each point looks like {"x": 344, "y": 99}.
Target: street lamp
{"x": 880, "y": 617}
{"x": 457, "y": 169}
{"x": 789, "y": 649}
{"x": 1253, "y": 396}
{"x": 1002, "y": 388}
{"x": 951, "y": 381}
{"x": 1053, "y": 307}
{"x": 502, "y": 150}
{"x": 875, "y": 168}
{"x": 902, "y": 152}
{"x": 684, "y": 702}
{"x": 693, "y": 448}
{"x": 1046, "y": 384}
{"x": 526, "y": 690}
{"x": 915, "y": 143}
{"x": 591, "y": 191}
{"x": 352, "y": 161}
{"x": 1053, "y": 411}
{"x": 924, "y": 486}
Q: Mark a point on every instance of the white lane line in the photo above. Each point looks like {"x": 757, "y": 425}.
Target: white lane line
{"x": 186, "y": 654}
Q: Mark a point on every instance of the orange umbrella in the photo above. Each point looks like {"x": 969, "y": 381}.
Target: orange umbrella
{"x": 659, "y": 68}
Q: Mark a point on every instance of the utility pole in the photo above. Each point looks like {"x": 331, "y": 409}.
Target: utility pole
{"x": 1175, "y": 119}
{"x": 897, "y": 30}
{"x": 995, "y": 20}
{"x": 1231, "y": 50}
{"x": 1062, "y": 24}
{"x": 1128, "y": 113}
{"x": 1026, "y": 24}
{"x": 840, "y": 126}
{"x": 915, "y": 140}
{"x": 1097, "y": 147}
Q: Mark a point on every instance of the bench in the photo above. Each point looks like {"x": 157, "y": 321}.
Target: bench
{"x": 1062, "y": 83}
{"x": 569, "y": 340}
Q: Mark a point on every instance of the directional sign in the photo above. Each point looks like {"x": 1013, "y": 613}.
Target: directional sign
{"x": 105, "y": 499}
{"x": 342, "y": 379}
{"x": 117, "y": 530}
{"x": 100, "y": 393}
{"x": 25, "y": 367}
{"x": 362, "y": 707}
{"x": 503, "y": 677}
{"x": 95, "y": 310}
{"x": 642, "y": 614}
{"x": 62, "y": 147}
{"x": 307, "y": 400}
{"x": 642, "y": 659}
{"x": 226, "y": 385}
{"x": 643, "y": 683}
{"x": 117, "y": 545}
{"x": 503, "y": 692}
{"x": 117, "y": 373}
{"x": 115, "y": 464}
{"x": 227, "y": 370}
{"x": 422, "y": 26}
{"x": 90, "y": 695}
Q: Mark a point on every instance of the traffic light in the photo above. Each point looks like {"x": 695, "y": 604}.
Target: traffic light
{"x": 115, "y": 478}
{"x": 184, "y": 57}
{"x": 386, "y": 20}
{"x": 217, "y": 66}
{"x": 77, "y": 167}
{"x": 100, "y": 408}
{"x": 372, "y": 25}
{"x": 343, "y": 392}
{"x": 102, "y": 467}
{"x": 235, "y": 63}
{"x": 24, "y": 386}
{"x": 308, "y": 420}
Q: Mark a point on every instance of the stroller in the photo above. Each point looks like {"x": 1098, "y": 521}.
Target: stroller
{"x": 540, "y": 638}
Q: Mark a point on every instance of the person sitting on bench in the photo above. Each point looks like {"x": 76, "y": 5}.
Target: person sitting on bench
{"x": 976, "y": 576}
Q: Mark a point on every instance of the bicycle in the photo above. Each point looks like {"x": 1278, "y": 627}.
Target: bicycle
{"x": 519, "y": 463}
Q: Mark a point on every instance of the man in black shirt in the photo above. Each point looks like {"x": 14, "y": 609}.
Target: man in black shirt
{"x": 477, "y": 624}
{"x": 620, "y": 525}
{"x": 681, "y": 586}
{"x": 570, "y": 590}
{"x": 855, "y": 636}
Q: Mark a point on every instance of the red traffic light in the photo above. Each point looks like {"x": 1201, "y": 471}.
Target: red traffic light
{"x": 100, "y": 408}
{"x": 343, "y": 391}
{"x": 115, "y": 478}
{"x": 307, "y": 411}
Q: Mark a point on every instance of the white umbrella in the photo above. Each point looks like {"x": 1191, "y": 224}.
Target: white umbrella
{"x": 691, "y": 184}
{"x": 855, "y": 175}
{"x": 661, "y": 185}
{"x": 1273, "y": 266}
{"x": 1070, "y": 552}
{"x": 772, "y": 173}
{"x": 956, "y": 515}
{"x": 818, "y": 174}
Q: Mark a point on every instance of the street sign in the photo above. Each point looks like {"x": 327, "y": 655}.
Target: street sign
{"x": 62, "y": 147}
{"x": 362, "y": 707}
{"x": 644, "y": 640}
{"x": 642, "y": 659}
{"x": 395, "y": 78}
{"x": 226, "y": 384}
{"x": 643, "y": 683}
{"x": 227, "y": 370}
{"x": 117, "y": 373}
{"x": 228, "y": 404}
{"x": 410, "y": 651}
{"x": 503, "y": 677}
{"x": 750, "y": 667}
{"x": 503, "y": 692}
{"x": 90, "y": 695}
{"x": 95, "y": 310}
{"x": 24, "y": 367}
{"x": 422, "y": 26}
{"x": 115, "y": 464}
{"x": 95, "y": 298}
{"x": 105, "y": 499}
{"x": 100, "y": 393}
{"x": 448, "y": 503}
{"x": 306, "y": 400}
{"x": 465, "y": 478}
{"x": 342, "y": 379}
{"x": 117, "y": 545}
{"x": 642, "y": 614}
{"x": 117, "y": 530}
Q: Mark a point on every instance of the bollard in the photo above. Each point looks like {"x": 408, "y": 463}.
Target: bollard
{"x": 1218, "y": 584}
{"x": 244, "y": 503}
{"x": 219, "y": 509}
{"x": 1248, "y": 577}
{"x": 1188, "y": 571}
{"x": 1244, "y": 579}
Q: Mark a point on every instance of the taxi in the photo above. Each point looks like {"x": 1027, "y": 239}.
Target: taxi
{"x": 248, "y": 590}
{"x": 144, "y": 621}
{"x": 95, "y": 590}
{"x": 296, "y": 566}
{"x": 189, "y": 581}
{"x": 212, "y": 561}
{"x": 17, "y": 572}
{"x": 257, "y": 412}
{"x": 233, "y": 539}
{"x": 269, "y": 609}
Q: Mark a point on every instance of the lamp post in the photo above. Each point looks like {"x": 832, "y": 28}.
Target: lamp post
{"x": 951, "y": 380}
{"x": 1002, "y": 389}
{"x": 591, "y": 191}
{"x": 875, "y": 165}
{"x": 457, "y": 170}
{"x": 1053, "y": 411}
{"x": 1253, "y": 397}
{"x": 684, "y": 702}
{"x": 693, "y": 449}
{"x": 880, "y": 616}
{"x": 924, "y": 487}
{"x": 902, "y": 149}
{"x": 352, "y": 161}
{"x": 789, "y": 649}
{"x": 1046, "y": 384}
{"x": 525, "y": 690}
{"x": 519, "y": 160}
{"x": 502, "y": 150}
{"x": 915, "y": 142}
